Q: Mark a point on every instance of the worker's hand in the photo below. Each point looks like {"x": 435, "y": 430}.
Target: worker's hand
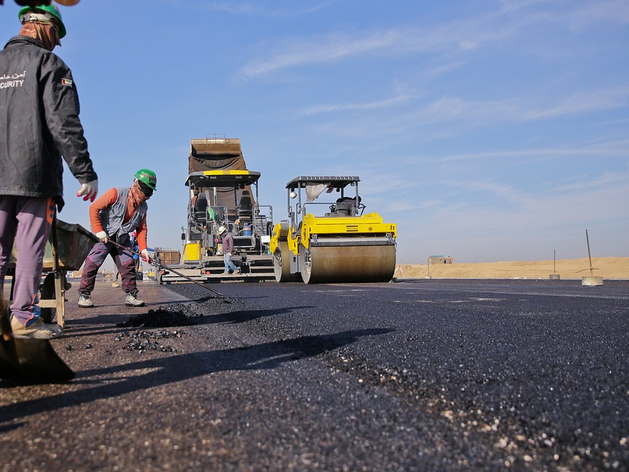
{"x": 104, "y": 238}
{"x": 89, "y": 189}
{"x": 146, "y": 257}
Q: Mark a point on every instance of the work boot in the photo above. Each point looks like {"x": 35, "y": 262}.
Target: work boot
{"x": 133, "y": 300}
{"x": 36, "y": 329}
{"x": 85, "y": 301}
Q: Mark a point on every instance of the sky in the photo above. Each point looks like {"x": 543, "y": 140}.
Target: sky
{"x": 487, "y": 130}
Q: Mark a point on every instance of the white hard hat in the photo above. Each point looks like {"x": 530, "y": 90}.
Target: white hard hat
{"x": 221, "y": 230}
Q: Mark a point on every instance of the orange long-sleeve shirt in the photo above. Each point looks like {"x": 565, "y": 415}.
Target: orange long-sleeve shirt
{"x": 106, "y": 200}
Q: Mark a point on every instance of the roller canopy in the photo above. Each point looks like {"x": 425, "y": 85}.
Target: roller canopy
{"x": 330, "y": 181}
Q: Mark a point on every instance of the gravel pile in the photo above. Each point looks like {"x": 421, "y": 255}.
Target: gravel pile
{"x": 141, "y": 340}
{"x": 181, "y": 314}
{"x": 165, "y": 316}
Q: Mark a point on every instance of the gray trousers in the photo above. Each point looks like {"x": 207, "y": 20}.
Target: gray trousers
{"x": 27, "y": 222}
{"x": 123, "y": 259}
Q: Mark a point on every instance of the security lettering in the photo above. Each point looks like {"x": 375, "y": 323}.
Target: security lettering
{"x": 12, "y": 80}
{"x": 11, "y": 84}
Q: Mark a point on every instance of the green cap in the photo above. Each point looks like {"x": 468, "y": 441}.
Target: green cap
{"x": 148, "y": 177}
{"x": 50, "y": 10}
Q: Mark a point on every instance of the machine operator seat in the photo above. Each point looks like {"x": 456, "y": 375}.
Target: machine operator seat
{"x": 244, "y": 207}
{"x": 346, "y": 206}
{"x": 200, "y": 208}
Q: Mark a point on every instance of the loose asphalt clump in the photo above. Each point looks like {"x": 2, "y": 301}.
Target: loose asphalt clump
{"x": 141, "y": 340}
{"x": 162, "y": 317}
{"x": 165, "y": 316}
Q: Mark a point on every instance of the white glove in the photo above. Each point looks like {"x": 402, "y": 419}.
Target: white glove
{"x": 104, "y": 238}
{"x": 229, "y": 254}
{"x": 89, "y": 189}
{"x": 146, "y": 256}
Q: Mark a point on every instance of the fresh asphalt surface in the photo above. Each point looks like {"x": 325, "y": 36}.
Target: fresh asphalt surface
{"x": 419, "y": 375}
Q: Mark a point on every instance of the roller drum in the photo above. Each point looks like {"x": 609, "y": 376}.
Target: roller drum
{"x": 330, "y": 264}
{"x": 281, "y": 264}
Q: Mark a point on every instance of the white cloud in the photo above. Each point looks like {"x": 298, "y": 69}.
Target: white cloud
{"x": 318, "y": 50}
{"x": 465, "y": 34}
{"x": 261, "y": 9}
{"x": 609, "y": 11}
{"x": 595, "y": 150}
{"x": 484, "y": 113}
{"x": 583, "y": 102}
{"x": 375, "y": 105}
{"x": 605, "y": 180}
{"x": 467, "y": 45}
{"x": 409, "y": 113}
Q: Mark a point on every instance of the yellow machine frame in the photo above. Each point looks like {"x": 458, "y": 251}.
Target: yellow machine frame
{"x": 291, "y": 241}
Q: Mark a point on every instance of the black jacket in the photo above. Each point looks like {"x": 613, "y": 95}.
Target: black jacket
{"x": 39, "y": 122}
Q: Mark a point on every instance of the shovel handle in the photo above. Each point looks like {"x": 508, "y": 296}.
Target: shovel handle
{"x": 5, "y": 320}
{"x": 215, "y": 292}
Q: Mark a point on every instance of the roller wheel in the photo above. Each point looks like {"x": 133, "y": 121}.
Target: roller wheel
{"x": 305, "y": 263}
{"x": 281, "y": 264}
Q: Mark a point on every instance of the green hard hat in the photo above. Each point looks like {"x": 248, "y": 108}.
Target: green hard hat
{"x": 148, "y": 177}
{"x": 51, "y": 10}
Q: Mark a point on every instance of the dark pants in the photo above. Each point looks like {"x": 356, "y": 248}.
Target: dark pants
{"x": 122, "y": 258}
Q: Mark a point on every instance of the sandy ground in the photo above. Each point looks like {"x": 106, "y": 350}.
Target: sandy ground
{"x": 609, "y": 268}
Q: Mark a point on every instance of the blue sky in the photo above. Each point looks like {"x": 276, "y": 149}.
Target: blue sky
{"x": 487, "y": 130}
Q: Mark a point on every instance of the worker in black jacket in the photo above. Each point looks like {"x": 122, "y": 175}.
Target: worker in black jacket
{"x": 39, "y": 123}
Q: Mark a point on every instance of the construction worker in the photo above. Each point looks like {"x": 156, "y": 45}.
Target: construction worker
{"x": 39, "y": 123}
{"x": 228, "y": 248}
{"x": 118, "y": 212}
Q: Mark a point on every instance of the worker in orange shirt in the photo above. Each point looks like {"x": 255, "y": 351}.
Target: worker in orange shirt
{"x": 114, "y": 215}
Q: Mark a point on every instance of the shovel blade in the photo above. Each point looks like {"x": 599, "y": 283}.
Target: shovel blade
{"x": 30, "y": 360}
{"x": 39, "y": 361}
{"x": 9, "y": 362}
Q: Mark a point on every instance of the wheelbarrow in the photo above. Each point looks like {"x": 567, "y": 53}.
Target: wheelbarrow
{"x": 34, "y": 359}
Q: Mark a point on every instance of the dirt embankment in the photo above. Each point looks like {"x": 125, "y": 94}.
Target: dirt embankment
{"x": 610, "y": 268}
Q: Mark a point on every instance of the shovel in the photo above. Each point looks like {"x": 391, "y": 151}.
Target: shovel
{"x": 215, "y": 292}
{"x": 30, "y": 360}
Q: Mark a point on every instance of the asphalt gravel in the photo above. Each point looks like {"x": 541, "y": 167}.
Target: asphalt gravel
{"x": 519, "y": 374}
{"x": 413, "y": 376}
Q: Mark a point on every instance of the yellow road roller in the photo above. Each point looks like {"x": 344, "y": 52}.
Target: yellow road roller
{"x": 328, "y": 238}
